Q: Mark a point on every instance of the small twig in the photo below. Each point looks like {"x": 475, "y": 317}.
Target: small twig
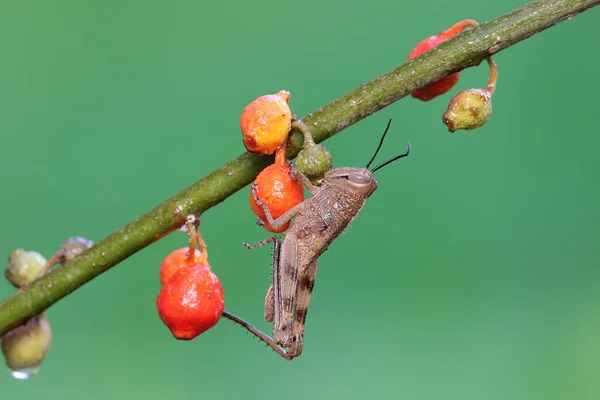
{"x": 493, "y": 79}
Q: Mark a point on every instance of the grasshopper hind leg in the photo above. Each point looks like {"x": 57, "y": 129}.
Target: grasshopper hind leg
{"x": 305, "y": 285}
{"x": 259, "y": 334}
{"x": 270, "y": 305}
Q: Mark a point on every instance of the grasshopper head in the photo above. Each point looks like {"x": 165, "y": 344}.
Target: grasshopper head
{"x": 359, "y": 180}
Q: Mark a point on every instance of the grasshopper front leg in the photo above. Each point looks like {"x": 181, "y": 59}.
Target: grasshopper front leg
{"x": 282, "y": 220}
{"x": 296, "y": 173}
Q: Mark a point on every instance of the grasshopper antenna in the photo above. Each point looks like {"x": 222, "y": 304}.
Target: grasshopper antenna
{"x": 392, "y": 159}
{"x": 258, "y": 333}
{"x": 380, "y": 143}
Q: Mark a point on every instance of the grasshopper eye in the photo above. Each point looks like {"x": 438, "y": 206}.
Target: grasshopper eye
{"x": 360, "y": 178}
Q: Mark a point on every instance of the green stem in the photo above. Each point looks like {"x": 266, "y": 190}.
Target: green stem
{"x": 464, "y": 50}
{"x": 493, "y": 79}
{"x": 303, "y": 129}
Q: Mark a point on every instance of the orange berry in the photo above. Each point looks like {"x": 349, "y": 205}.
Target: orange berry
{"x": 266, "y": 122}
{"x": 279, "y": 191}
{"x": 191, "y": 302}
{"x": 179, "y": 259}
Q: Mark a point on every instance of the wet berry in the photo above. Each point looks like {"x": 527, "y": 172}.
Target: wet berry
{"x": 191, "y": 302}
{"x": 25, "y": 347}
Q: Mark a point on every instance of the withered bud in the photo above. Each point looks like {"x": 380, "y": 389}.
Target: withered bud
{"x": 25, "y": 347}
{"x": 469, "y": 109}
{"x": 73, "y": 247}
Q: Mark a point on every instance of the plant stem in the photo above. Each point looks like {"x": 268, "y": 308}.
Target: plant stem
{"x": 464, "y": 50}
{"x": 493, "y": 79}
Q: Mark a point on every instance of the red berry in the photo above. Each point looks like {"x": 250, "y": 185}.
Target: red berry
{"x": 443, "y": 85}
{"x": 179, "y": 259}
{"x": 191, "y": 302}
{"x": 438, "y": 87}
{"x": 275, "y": 187}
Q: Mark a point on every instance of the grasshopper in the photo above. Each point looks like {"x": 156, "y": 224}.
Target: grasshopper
{"x": 318, "y": 221}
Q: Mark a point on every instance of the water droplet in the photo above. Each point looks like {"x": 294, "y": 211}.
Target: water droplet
{"x": 24, "y": 373}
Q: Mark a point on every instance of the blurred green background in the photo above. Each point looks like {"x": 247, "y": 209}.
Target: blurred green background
{"x": 472, "y": 273}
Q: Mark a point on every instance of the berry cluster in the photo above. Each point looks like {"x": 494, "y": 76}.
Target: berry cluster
{"x": 469, "y": 109}
{"x": 25, "y": 347}
{"x": 266, "y": 124}
{"x": 191, "y": 298}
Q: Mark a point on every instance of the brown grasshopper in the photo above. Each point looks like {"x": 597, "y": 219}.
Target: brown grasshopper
{"x": 317, "y": 222}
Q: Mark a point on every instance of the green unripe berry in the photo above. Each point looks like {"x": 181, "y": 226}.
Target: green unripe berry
{"x": 24, "y": 267}
{"x": 469, "y": 109}
{"x": 25, "y": 347}
{"x": 313, "y": 161}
